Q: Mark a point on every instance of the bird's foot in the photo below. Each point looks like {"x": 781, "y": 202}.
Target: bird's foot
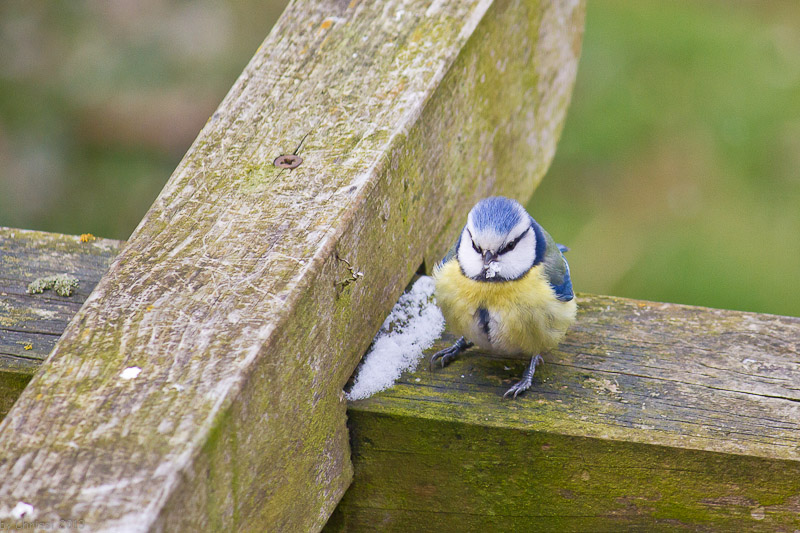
{"x": 448, "y": 354}
{"x": 527, "y": 377}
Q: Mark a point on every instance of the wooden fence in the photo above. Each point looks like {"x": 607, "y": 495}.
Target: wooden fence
{"x": 199, "y": 386}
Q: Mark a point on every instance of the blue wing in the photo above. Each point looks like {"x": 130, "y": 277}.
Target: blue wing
{"x": 452, "y": 252}
{"x": 564, "y": 289}
{"x": 556, "y": 267}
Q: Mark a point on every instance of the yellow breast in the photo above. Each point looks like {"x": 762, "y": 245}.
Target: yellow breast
{"x": 526, "y": 318}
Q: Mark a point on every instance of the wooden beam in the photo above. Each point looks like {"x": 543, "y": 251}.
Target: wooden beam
{"x": 38, "y": 320}
{"x": 652, "y": 417}
{"x": 199, "y": 386}
{"x": 30, "y": 324}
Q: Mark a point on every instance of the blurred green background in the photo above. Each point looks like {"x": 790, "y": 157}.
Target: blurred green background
{"x": 677, "y": 177}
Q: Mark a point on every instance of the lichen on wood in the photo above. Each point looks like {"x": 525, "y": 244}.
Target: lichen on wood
{"x": 230, "y": 296}
{"x": 61, "y": 284}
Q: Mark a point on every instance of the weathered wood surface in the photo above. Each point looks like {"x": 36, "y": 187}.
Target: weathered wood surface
{"x": 649, "y": 417}
{"x": 37, "y": 320}
{"x": 30, "y": 324}
{"x": 235, "y": 297}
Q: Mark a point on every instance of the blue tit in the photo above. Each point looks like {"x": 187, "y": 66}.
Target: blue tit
{"x": 505, "y": 286}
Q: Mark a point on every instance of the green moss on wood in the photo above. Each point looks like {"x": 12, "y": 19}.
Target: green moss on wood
{"x": 11, "y": 386}
{"x": 649, "y": 416}
{"x": 465, "y": 477}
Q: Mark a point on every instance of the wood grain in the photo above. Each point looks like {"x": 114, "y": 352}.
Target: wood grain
{"x": 235, "y": 297}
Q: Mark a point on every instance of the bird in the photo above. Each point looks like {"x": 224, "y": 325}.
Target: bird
{"x": 505, "y": 286}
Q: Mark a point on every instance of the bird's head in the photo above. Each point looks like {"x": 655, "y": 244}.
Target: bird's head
{"x": 499, "y": 242}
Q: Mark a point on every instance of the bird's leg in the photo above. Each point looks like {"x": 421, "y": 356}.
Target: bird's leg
{"x": 527, "y": 377}
{"x": 449, "y": 353}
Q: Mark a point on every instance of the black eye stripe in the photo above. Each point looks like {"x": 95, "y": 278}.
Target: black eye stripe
{"x": 472, "y": 241}
{"x": 512, "y": 244}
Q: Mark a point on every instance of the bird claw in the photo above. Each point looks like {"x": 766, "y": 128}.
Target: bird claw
{"x": 450, "y": 353}
{"x": 516, "y": 389}
{"x": 527, "y": 377}
{"x": 444, "y": 356}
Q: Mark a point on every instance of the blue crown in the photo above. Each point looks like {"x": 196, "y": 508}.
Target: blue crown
{"x": 496, "y": 213}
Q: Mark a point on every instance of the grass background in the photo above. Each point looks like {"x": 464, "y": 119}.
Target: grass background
{"x": 677, "y": 177}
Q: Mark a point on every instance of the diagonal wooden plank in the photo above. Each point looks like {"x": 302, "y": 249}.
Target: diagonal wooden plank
{"x": 248, "y": 292}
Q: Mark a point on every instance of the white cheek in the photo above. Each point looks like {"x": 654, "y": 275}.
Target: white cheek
{"x": 516, "y": 262}
{"x": 471, "y": 262}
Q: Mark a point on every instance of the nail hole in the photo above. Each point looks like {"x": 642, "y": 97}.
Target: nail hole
{"x": 288, "y": 161}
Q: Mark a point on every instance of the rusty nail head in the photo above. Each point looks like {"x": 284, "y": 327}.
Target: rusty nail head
{"x": 288, "y": 161}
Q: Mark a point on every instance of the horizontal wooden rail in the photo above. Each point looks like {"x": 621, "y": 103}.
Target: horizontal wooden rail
{"x": 200, "y": 385}
{"x": 649, "y": 416}
{"x": 30, "y": 324}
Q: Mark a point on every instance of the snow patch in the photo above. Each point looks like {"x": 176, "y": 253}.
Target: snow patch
{"x": 492, "y": 269}
{"x": 413, "y": 325}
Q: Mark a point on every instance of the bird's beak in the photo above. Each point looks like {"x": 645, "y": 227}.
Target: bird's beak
{"x": 488, "y": 257}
